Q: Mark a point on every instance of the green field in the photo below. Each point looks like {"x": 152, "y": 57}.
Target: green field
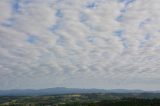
{"x": 98, "y": 99}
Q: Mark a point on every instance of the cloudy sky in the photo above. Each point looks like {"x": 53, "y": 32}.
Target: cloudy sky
{"x": 80, "y": 43}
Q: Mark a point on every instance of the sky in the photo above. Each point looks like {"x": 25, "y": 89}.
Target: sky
{"x": 109, "y": 44}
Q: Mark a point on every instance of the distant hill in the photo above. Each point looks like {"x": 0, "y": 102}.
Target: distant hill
{"x": 62, "y": 90}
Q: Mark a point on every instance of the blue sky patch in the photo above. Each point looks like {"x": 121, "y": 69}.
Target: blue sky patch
{"x": 91, "y": 5}
{"x": 119, "y": 33}
{"x": 144, "y": 22}
{"x": 32, "y": 39}
{"x": 83, "y": 17}
{"x": 16, "y": 6}
{"x": 125, "y": 43}
{"x": 8, "y": 23}
{"x": 126, "y": 2}
{"x": 146, "y": 38}
{"x": 120, "y": 18}
{"x": 56, "y": 26}
{"x": 61, "y": 40}
{"x": 59, "y": 13}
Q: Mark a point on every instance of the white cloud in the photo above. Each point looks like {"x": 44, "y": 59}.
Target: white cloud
{"x": 49, "y": 43}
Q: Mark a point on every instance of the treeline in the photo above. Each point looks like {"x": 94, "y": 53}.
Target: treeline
{"x": 122, "y": 102}
{"x": 82, "y": 100}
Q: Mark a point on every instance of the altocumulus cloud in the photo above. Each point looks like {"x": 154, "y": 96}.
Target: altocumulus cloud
{"x": 80, "y": 43}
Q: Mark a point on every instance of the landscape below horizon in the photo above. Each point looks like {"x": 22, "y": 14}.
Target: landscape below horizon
{"x": 79, "y": 97}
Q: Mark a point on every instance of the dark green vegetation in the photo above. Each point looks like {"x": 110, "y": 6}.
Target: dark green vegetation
{"x": 94, "y": 99}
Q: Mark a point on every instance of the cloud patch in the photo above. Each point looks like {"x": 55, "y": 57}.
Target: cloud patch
{"x": 89, "y": 44}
